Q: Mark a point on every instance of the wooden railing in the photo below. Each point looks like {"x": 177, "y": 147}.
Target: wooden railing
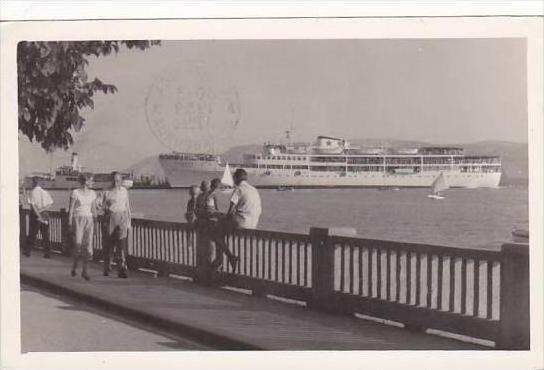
{"x": 473, "y": 292}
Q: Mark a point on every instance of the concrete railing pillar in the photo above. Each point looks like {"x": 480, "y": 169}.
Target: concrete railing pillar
{"x": 514, "y": 305}
{"x": 322, "y": 270}
{"x": 203, "y": 254}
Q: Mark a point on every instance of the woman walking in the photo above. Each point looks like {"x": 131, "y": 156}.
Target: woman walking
{"x": 117, "y": 221}
{"x": 81, "y": 219}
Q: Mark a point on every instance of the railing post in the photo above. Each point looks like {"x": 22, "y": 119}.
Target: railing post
{"x": 514, "y": 298}
{"x": 203, "y": 265}
{"x": 66, "y": 242}
{"x": 22, "y": 227}
{"x": 322, "y": 270}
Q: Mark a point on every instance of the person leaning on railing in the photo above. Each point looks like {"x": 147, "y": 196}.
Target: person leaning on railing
{"x": 244, "y": 212}
{"x": 190, "y": 214}
{"x": 245, "y": 203}
{"x": 39, "y": 201}
{"x": 216, "y": 228}
{"x": 117, "y": 220}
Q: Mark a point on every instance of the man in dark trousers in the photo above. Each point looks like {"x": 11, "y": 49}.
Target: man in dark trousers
{"x": 39, "y": 201}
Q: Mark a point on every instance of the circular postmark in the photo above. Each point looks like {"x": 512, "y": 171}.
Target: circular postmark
{"x": 193, "y": 107}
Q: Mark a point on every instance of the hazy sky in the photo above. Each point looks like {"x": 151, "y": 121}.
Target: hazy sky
{"x": 203, "y": 94}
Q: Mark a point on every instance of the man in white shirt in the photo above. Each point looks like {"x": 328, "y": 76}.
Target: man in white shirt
{"x": 117, "y": 222}
{"x": 245, "y": 202}
{"x": 39, "y": 201}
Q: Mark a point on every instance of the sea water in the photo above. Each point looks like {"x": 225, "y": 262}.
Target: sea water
{"x": 466, "y": 218}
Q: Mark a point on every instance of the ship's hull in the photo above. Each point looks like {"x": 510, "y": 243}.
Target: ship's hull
{"x": 184, "y": 174}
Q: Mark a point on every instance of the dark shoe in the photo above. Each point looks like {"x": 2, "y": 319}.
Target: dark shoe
{"x": 122, "y": 274}
{"x": 73, "y": 273}
{"x": 85, "y": 276}
{"x": 106, "y": 273}
{"x": 47, "y": 255}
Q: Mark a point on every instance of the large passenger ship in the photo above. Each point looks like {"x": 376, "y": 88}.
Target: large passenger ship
{"x": 332, "y": 162}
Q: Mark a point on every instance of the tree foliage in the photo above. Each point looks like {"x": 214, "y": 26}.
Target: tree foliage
{"x": 53, "y": 87}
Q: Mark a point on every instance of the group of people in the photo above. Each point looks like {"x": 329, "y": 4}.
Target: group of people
{"x": 202, "y": 212}
{"x": 83, "y": 209}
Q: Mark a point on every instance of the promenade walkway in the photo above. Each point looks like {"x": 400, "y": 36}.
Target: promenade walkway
{"x": 224, "y": 319}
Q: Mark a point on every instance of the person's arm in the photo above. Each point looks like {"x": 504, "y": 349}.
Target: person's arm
{"x": 36, "y": 211}
{"x": 232, "y": 207}
{"x": 71, "y": 209}
{"x": 235, "y": 197}
{"x": 94, "y": 210}
{"x": 129, "y": 212}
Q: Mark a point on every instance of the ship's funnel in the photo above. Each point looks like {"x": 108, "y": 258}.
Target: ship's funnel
{"x": 74, "y": 163}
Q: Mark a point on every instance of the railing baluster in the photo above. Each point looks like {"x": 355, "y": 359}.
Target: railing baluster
{"x": 269, "y": 259}
{"x": 476, "y": 304}
{"x": 264, "y": 254}
{"x": 307, "y": 269}
{"x": 289, "y": 246}
{"x": 361, "y": 269}
{"x": 489, "y": 303}
{"x": 429, "y": 280}
{"x": 283, "y": 262}
{"x": 408, "y": 277}
{"x": 417, "y": 288}
{"x": 452, "y": 285}
{"x": 178, "y": 245}
{"x": 398, "y": 265}
{"x": 342, "y": 267}
{"x": 276, "y": 262}
{"x": 370, "y": 281}
{"x": 387, "y": 281}
{"x": 298, "y": 267}
{"x": 251, "y": 253}
{"x": 379, "y": 273}
{"x": 351, "y": 271}
{"x": 439, "y": 288}
{"x": 463, "y": 286}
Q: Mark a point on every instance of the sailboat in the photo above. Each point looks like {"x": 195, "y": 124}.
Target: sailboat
{"x": 227, "y": 181}
{"x": 438, "y": 185}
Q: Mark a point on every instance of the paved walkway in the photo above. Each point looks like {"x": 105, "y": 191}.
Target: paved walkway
{"x": 222, "y": 318}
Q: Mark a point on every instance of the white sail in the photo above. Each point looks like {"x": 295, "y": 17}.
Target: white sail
{"x": 227, "y": 179}
{"x": 439, "y": 184}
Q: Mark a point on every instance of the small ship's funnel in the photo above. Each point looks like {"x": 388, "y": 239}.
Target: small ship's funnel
{"x": 73, "y": 163}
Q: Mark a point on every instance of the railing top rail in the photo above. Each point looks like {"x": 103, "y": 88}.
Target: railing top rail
{"x": 439, "y": 250}
{"x": 159, "y": 223}
{"x": 270, "y": 234}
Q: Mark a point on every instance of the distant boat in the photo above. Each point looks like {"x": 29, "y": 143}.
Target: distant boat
{"x": 438, "y": 185}
{"x": 390, "y": 188}
{"x": 285, "y": 188}
{"x": 227, "y": 179}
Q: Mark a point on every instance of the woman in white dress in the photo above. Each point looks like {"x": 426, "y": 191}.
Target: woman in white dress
{"x": 81, "y": 219}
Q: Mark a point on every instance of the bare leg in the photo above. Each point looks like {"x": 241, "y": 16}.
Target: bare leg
{"x": 75, "y": 263}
